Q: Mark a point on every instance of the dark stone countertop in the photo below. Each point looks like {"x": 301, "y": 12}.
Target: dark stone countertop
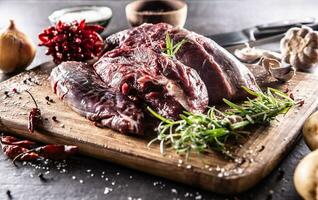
{"x": 87, "y": 178}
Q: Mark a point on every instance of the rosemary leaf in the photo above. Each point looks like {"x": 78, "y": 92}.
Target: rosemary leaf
{"x": 206, "y": 132}
{"x": 172, "y": 49}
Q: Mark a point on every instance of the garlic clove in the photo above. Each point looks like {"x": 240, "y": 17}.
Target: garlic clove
{"x": 283, "y": 46}
{"x": 306, "y": 59}
{"x": 295, "y": 61}
{"x": 311, "y": 53}
{"x": 313, "y": 43}
{"x": 281, "y": 72}
{"x": 292, "y": 32}
{"x": 304, "y": 31}
{"x": 312, "y": 36}
{"x": 268, "y": 63}
{"x": 312, "y": 40}
{"x": 248, "y": 54}
{"x": 286, "y": 58}
{"x": 272, "y": 55}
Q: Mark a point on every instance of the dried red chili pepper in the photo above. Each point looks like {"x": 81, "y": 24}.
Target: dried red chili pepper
{"x": 301, "y": 103}
{"x": 50, "y": 151}
{"x": 13, "y": 151}
{"x": 56, "y": 151}
{"x": 291, "y": 95}
{"x": 34, "y": 116}
{"x": 29, "y": 156}
{"x": 14, "y": 90}
{"x": 23, "y": 150}
{"x": 9, "y": 140}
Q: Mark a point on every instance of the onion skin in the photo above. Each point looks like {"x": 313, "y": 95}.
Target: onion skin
{"x": 16, "y": 49}
{"x": 306, "y": 177}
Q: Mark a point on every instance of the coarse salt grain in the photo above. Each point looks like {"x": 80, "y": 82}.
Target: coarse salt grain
{"x": 107, "y": 190}
{"x": 174, "y": 191}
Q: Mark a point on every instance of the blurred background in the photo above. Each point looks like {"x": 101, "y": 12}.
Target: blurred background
{"x": 204, "y": 16}
{"x": 218, "y": 15}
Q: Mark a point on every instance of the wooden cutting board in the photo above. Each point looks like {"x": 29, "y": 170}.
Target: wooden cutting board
{"x": 257, "y": 154}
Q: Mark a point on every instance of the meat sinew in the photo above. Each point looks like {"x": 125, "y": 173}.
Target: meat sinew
{"x": 145, "y": 76}
{"x": 221, "y": 72}
{"x": 78, "y": 85}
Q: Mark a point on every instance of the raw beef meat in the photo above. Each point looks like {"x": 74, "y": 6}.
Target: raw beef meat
{"x": 135, "y": 73}
{"x": 221, "y": 72}
{"x": 144, "y": 35}
{"x": 78, "y": 86}
{"x": 149, "y": 77}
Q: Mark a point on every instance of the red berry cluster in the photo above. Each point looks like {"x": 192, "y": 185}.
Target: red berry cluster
{"x": 72, "y": 42}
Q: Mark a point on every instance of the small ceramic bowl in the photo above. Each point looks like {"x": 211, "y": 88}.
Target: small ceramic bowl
{"x": 173, "y": 12}
{"x": 100, "y": 15}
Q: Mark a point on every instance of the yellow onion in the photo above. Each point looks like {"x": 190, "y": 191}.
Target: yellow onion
{"x": 16, "y": 49}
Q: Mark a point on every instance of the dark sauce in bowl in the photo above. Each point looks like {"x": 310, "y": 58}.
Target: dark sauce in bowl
{"x": 157, "y": 7}
{"x": 173, "y": 12}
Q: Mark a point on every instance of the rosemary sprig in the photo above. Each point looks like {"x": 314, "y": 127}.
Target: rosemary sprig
{"x": 172, "y": 49}
{"x": 205, "y": 132}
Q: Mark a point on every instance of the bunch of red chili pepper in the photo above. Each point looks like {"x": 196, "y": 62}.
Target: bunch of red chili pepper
{"x": 25, "y": 150}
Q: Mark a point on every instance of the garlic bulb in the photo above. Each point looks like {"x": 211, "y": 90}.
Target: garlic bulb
{"x": 16, "y": 49}
{"x": 299, "y": 47}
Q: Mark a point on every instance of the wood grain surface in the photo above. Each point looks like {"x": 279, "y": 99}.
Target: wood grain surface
{"x": 257, "y": 154}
